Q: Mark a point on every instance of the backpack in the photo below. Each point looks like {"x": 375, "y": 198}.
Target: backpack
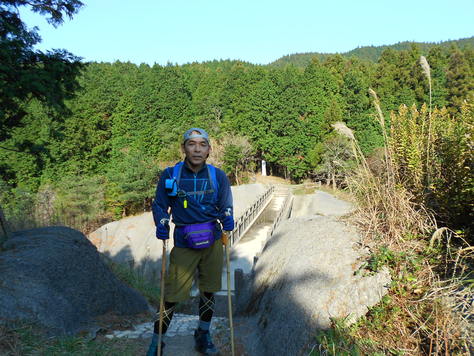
{"x": 172, "y": 184}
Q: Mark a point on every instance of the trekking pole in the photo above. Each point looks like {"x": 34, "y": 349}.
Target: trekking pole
{"x": 226, "y": 242}
{"x": 162, "y": 296}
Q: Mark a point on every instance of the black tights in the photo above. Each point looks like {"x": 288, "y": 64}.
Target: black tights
{"x": 206, "y": 306}
{"x": 206, "y": 310}
{"x": 167, "y": 316}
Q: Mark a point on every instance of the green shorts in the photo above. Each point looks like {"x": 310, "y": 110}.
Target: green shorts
{"x": 183, "y": 264}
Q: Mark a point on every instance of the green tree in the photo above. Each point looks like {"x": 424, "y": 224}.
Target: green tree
{"x": 131, "y": 182}
{"x": 238, "y": 83}
{"x": 26, "y": 73}
{"x": 335, "y": 159}
{"x": 29, "y": 150}
{"x": 84, "y": 145}
{"x": 398, "y": 79}
{"x": 207, "y": 108}
{"x": 438, "y": 61}
{"x": 80, "y": 201}
{"x": 358, "y": 114}
{"x": 237, "y": 156}
{"x": 459, "y": 81}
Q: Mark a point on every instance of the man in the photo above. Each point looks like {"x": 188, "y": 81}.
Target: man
{"x": 199, "y": 199}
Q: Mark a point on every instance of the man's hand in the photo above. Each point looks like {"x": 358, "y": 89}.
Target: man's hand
{"x": 228, "y": 223}
{"x": 163, "y": 229}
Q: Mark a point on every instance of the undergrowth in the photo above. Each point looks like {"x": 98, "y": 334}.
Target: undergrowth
{"x": 134, "y": 279}
{"x": 26, "y": 339}
{"x": 428, "y": 308}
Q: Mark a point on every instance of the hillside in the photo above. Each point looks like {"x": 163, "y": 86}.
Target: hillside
{"x": 369, "y": 53}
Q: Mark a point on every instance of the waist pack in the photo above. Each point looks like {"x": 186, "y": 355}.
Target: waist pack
{"x": 199, "y": 236}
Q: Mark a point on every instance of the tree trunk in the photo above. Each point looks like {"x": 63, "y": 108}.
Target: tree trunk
{"x": 237, "y": 177}
{"x": 4, "y": 229}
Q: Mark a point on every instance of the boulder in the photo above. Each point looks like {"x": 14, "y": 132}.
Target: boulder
{"x": 307, "y": 275}
{"x": 56, "y": 278}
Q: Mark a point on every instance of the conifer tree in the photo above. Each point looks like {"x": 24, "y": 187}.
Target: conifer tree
{"x": 459, "y": 81}
{"x": 27, "y": 73}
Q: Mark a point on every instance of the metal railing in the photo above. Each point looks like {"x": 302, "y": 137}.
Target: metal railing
{"x": 244, "y": 281}
{"x": 245, "y": 221}
{"x": 283, "y": 213}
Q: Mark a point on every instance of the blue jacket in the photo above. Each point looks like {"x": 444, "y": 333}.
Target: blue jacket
{"x": 200, "y": 208}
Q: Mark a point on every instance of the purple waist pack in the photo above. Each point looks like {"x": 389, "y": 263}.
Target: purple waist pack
{"x": 199, "y": 236}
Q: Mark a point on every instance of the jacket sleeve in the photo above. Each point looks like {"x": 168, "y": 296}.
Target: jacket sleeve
{"x": 161, "y": 203}
{"x": 224, "y": 196}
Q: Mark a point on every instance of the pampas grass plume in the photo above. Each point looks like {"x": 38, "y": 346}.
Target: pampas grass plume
{"x": 426, "y": 67}
{"x": 380, "y": 116}
{"x": 342, "y": 129}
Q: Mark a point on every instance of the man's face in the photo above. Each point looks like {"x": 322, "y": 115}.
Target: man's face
{"x": 196, "y": 150}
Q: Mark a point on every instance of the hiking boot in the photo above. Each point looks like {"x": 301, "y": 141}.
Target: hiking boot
{"x": 203, "y": 342}
{"x": 153, "y": 349}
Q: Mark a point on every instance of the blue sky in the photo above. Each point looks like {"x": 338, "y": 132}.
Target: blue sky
{"x": 258, "y": 31}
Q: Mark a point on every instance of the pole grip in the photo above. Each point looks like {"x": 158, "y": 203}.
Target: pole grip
{"x": 225, "y": 238}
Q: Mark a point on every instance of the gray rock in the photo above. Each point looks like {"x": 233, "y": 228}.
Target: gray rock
{"x": 306, "y": 276}
{"x": 55, "y": 277}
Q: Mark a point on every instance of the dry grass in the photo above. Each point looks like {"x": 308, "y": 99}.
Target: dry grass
{"x": 271, "y": 180}
{"x": 387, "y": 211}
{"x": 430, "y": 303}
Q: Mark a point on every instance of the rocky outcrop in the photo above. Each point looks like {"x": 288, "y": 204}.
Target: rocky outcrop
{"x": 308, "y": 274}
{"x": 55, "y": 277}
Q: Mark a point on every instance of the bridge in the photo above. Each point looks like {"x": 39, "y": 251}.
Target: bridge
{"x": 253, "y": 229}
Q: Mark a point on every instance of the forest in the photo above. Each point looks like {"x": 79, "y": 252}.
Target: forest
{"x": 82, "y": 144}
{"x": 98, "y": 156}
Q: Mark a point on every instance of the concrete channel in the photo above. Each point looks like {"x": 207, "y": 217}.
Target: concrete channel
{"x": 246, "y": 251}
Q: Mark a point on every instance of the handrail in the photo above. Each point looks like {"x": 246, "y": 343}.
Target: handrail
{"x": 249, "y": 216}
{"x": 242, "y": 282}
{"x": 287, "y": 204}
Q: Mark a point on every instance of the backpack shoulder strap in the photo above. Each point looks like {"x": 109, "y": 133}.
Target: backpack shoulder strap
{"x": 177, "y": 172}
{"x": 172, "y": 183}
{"x": 213, "y": 178}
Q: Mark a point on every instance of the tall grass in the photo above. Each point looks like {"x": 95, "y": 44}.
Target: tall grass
{"x": 135, "y": 280}
{"x": 385, "y": 207}
{"x": 424, "y": 177}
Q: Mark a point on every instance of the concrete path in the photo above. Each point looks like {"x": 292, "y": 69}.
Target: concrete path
{"x": 319, "y": 203}
{"x": 243, "y": 253}
{"x": 179, "y": 339}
